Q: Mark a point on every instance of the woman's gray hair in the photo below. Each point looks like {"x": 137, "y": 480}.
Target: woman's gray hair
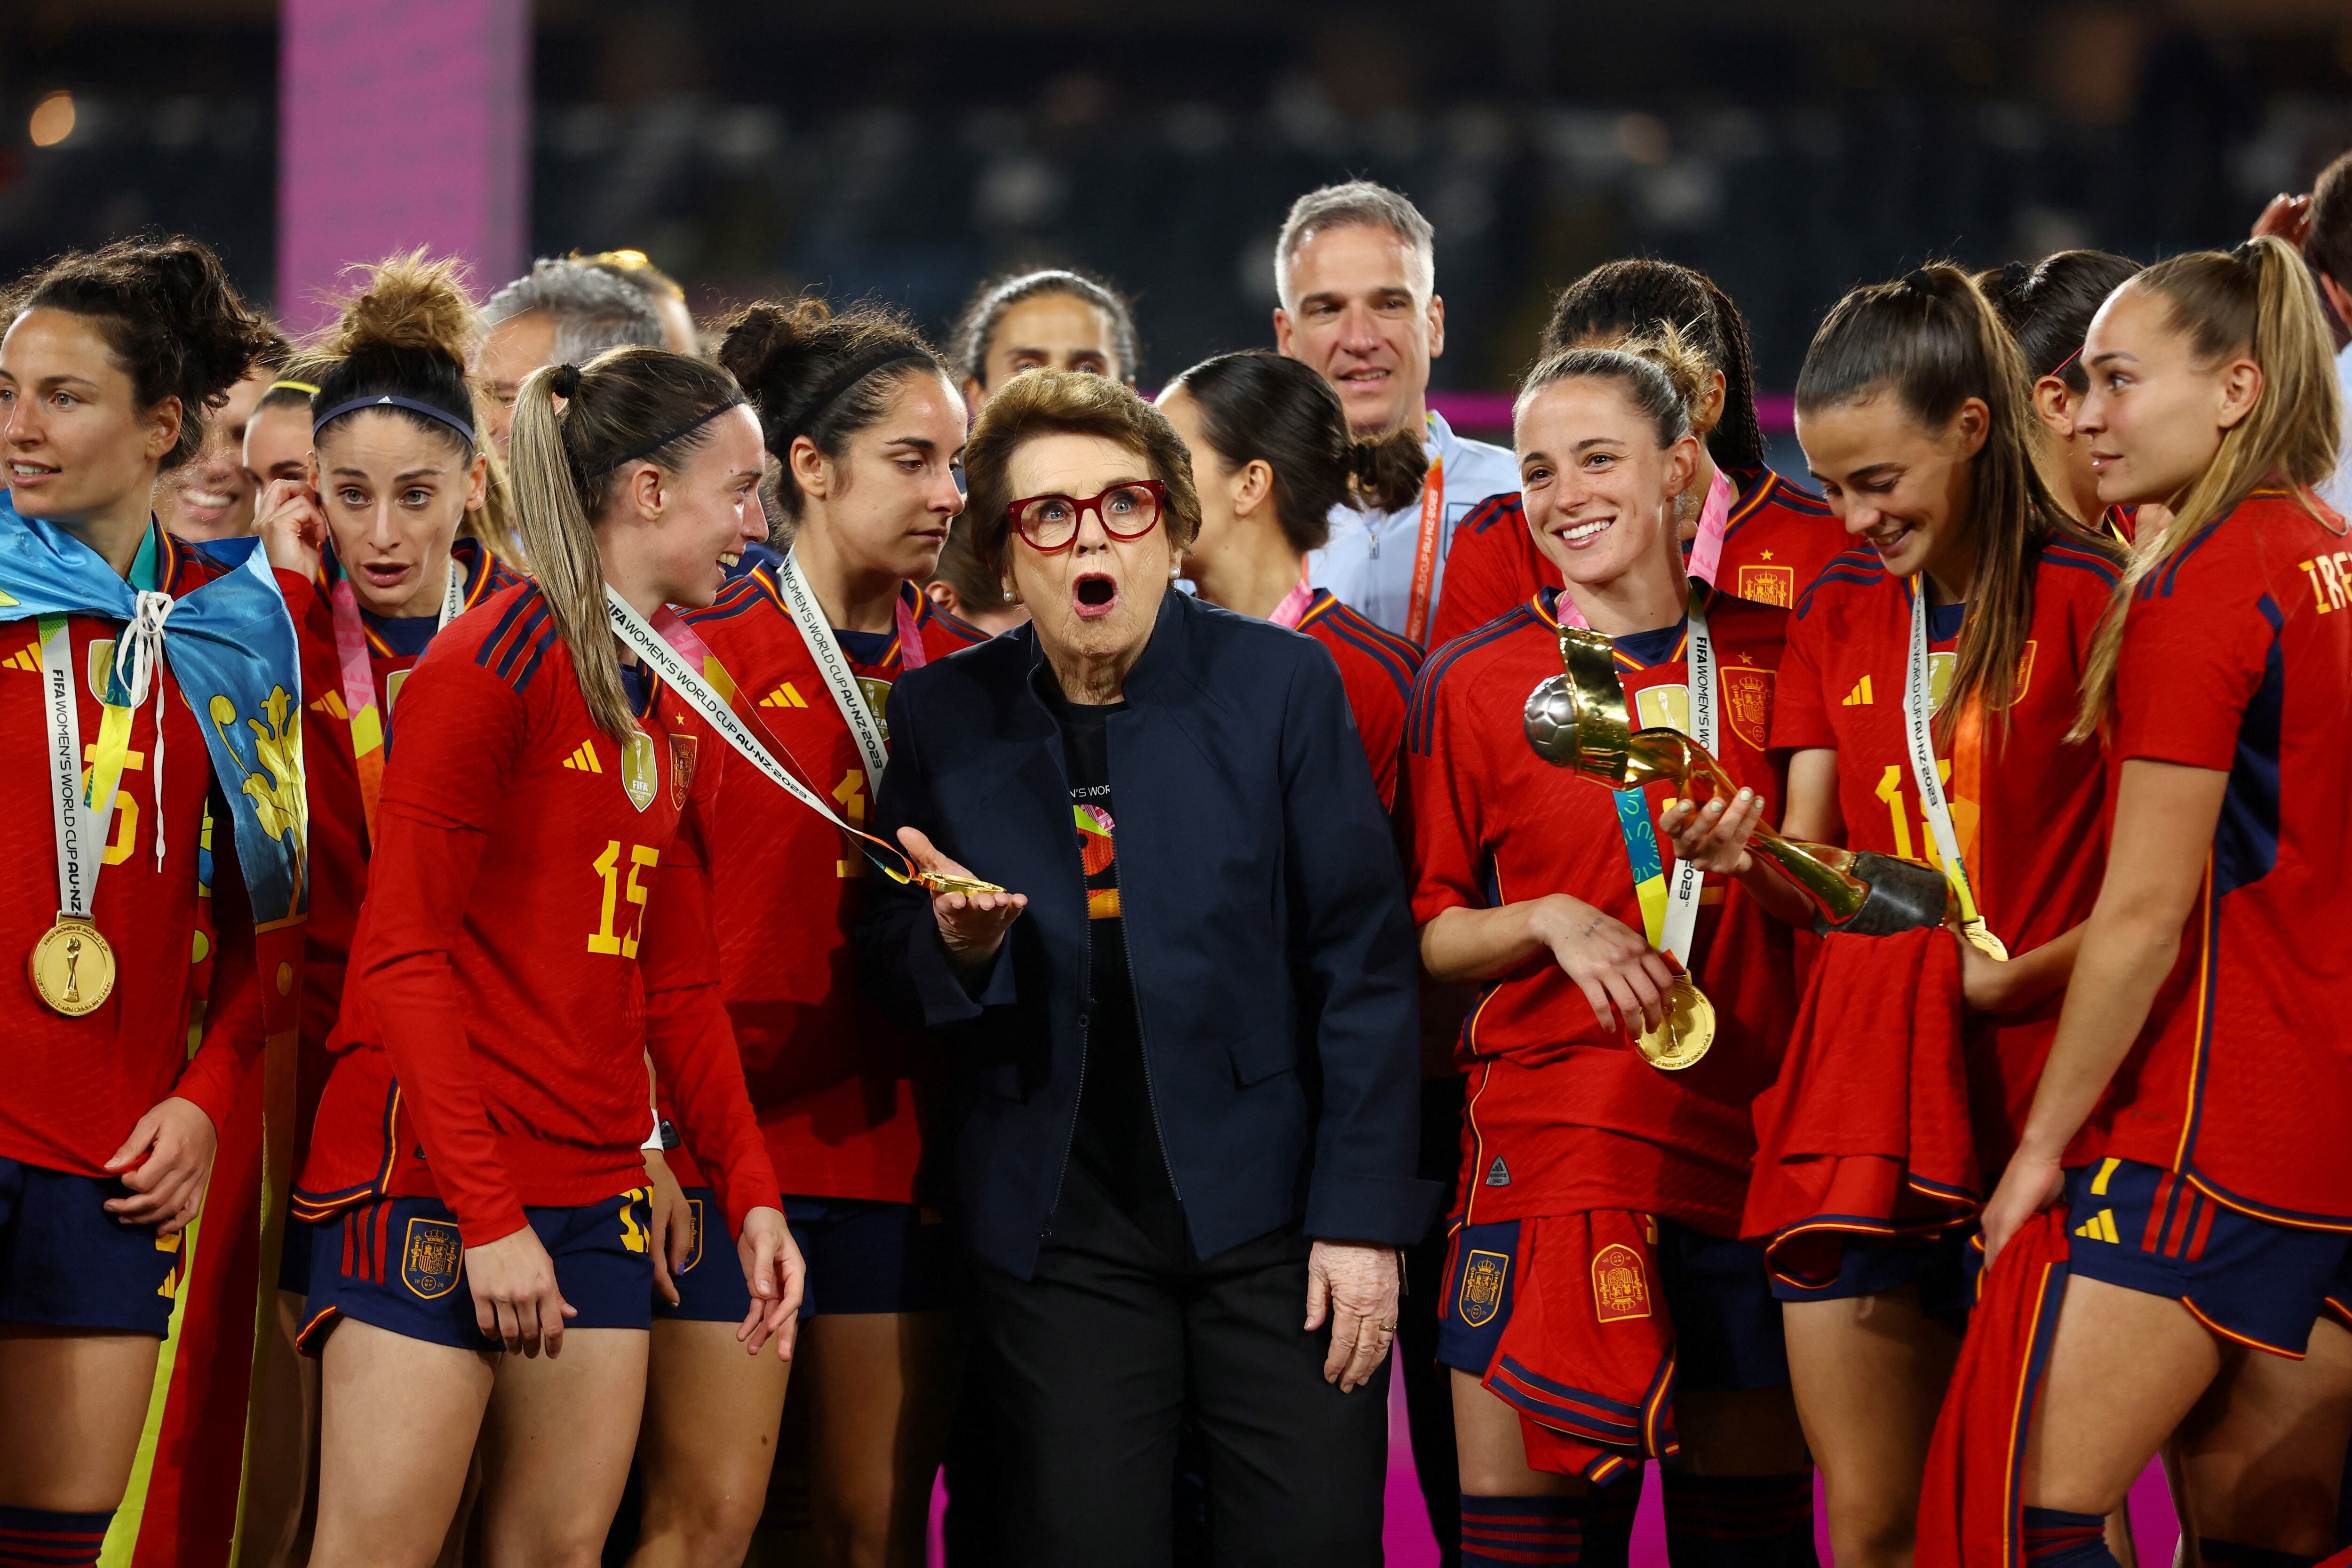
{"x": 594, "y": 309}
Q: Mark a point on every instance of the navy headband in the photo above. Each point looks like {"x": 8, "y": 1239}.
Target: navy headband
{"x": 392, "y": 400}
{"x": 658, "y": 442}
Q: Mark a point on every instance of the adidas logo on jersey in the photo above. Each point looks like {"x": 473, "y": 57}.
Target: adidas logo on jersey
{"x": 1860, "y": 696}
{"x": 332, "y": 705}
{"x": 26, "y": 658}
{"x": 2100, "y": 1226}
{"x": 783, "y": 697}
{"x": 584, "y": 759}
{"x": 1498, "y": 1174}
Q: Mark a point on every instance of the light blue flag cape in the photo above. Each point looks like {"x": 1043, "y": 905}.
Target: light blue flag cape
{"x": 232, "y": 652}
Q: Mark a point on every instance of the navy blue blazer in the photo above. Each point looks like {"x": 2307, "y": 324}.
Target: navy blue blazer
{"x": 1274, "y": 956}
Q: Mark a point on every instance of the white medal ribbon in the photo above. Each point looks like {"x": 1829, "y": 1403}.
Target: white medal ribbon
{"x": 834, "y": 666}
{"x": 633, "y": 630}
{"x": 76, "y": 825}
{"x": 452, "y": 601}
{"x": 137, "y": 652}
{"x": 1919, "y": 737}
{"x": 1687, "y": 881}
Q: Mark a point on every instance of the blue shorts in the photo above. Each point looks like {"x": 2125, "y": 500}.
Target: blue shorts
{"x": 863, "y": 1255}
{"x": 399, "y": 1264}
{"x": 294, "y": 1257}
{"x": 66, "y": 1263}
{"x": 2252, "y": 1280}
{"x": 1944, "y": 1269}
{"x": 1727, "y": 1324}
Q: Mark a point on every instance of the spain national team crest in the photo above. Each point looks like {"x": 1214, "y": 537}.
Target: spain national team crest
{"x": 1482, "y": 1287}
{"x": 1621, "y": 1286}
{"x": 682, "y": 753}
{"x": 694, "y": 1212}
{"x": 639, "y": 773}
{"x": 1747, "y": 703}
{"x": 2024, "y": 673}
{"x": 1768, "y": 585}
{"x": 431, "y": 1257}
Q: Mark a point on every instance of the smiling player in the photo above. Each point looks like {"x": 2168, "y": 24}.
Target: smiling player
{"x": 1356, "y": 266}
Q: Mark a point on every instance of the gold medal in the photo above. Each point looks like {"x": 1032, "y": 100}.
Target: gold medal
{"x": 1686, "y": 1034}
{"x": 940, "y": 882}
{"x": 1979, "y": 935}
{"x": 71, "y": 967}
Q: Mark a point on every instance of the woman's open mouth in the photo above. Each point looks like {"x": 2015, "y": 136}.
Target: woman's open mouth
{"x": 386, "y": 576}
{"x": 1094, "y": 596}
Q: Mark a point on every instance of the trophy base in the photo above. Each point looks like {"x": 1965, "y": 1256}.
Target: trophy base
{"x": 1903, "y": 896}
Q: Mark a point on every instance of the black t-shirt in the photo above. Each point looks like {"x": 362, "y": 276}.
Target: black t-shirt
{"x": 1117, "y": 1139}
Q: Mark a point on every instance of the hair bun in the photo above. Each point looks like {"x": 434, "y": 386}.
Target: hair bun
{"x": 1920, "y": 281}
{"x": 408, "y": 302}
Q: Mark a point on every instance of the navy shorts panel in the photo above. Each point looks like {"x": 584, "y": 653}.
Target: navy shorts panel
{"x": 1482, "y": 1268}
{"x": 1872, "y": 1265}
{"x": 294, "y": 1257}
{"x": 67, "y": 1263}
{"x": 711, "y": 1287}
{"x": 2249, "y": 1280}
{"x": 869, "y": 1257}
{"x": 1727, "y": 1322}
{"x": 399, "y": 1264}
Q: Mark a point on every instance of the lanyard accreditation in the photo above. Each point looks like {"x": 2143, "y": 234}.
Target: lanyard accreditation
{"x": 1919, "y": 741}
{"x": 832, "y": 665}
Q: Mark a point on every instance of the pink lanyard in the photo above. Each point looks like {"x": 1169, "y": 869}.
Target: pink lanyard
{"x": 1293, "y": 608}
{"x": 910, "y": 636}
{"x": 1707, "y": 549}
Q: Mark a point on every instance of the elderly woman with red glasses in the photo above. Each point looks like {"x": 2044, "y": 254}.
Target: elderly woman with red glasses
{"x": 1180, "y": 1024}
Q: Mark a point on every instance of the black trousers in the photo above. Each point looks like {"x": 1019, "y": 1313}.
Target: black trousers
{"x": 1095, "y": 1362}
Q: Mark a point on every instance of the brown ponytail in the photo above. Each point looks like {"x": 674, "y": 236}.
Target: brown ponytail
{"x": 1932, "y": 340}
{"x": 2256, "y": 301}
{"x": 563, "y": 466}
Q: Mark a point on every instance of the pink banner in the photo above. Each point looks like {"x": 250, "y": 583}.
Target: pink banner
{"x": 400, "y": 125}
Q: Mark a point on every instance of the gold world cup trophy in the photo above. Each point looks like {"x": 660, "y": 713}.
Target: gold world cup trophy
{"x": 1578, "y": 720}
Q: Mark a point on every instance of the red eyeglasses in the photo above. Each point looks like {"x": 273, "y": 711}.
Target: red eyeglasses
{"x": 1127, "y": 512}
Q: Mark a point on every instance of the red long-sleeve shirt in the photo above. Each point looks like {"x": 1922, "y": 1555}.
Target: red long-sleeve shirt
{"x": 537, "y": 921}
{"x": 71, "y": 1088}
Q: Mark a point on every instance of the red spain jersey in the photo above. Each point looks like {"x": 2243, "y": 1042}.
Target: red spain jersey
{"x": 74, "y": 1088}
{"x": 833, "y": 1082}
{"x": 1564, "y": 1118}
{"x": 339, "y": 845}
{"x": 1377, "y": 666}
{"x": 2237, "y": 657}
{"x": 2029, "y": 808}
{"x": 1775, "y": 542}
{"x": 537, "y": 921}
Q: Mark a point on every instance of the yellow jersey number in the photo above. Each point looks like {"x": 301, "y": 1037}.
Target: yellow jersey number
{"x": 1891, "y": 789}
{"x": 608, "y": 869}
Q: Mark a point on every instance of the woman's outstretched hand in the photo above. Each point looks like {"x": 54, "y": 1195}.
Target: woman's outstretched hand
{"x": 972, "y": 925}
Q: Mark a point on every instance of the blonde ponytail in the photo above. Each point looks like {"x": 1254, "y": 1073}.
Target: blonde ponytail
{"x": 561, "y": 545}
{"x": 2257, "y": 300}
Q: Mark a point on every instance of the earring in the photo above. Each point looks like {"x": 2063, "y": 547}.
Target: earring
{"x": 1010, "y": 597}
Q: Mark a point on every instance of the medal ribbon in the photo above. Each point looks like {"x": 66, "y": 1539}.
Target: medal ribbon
{"x": 673, "y": 650}
{"x": 358, "y": 673}
{"x": 1293, "y": 608}
{"x": 1670, "y": 907}
{"x": 1920, "y": 738}
{"x": 831, "y": 664}
{"x": 1426, "y": 545}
